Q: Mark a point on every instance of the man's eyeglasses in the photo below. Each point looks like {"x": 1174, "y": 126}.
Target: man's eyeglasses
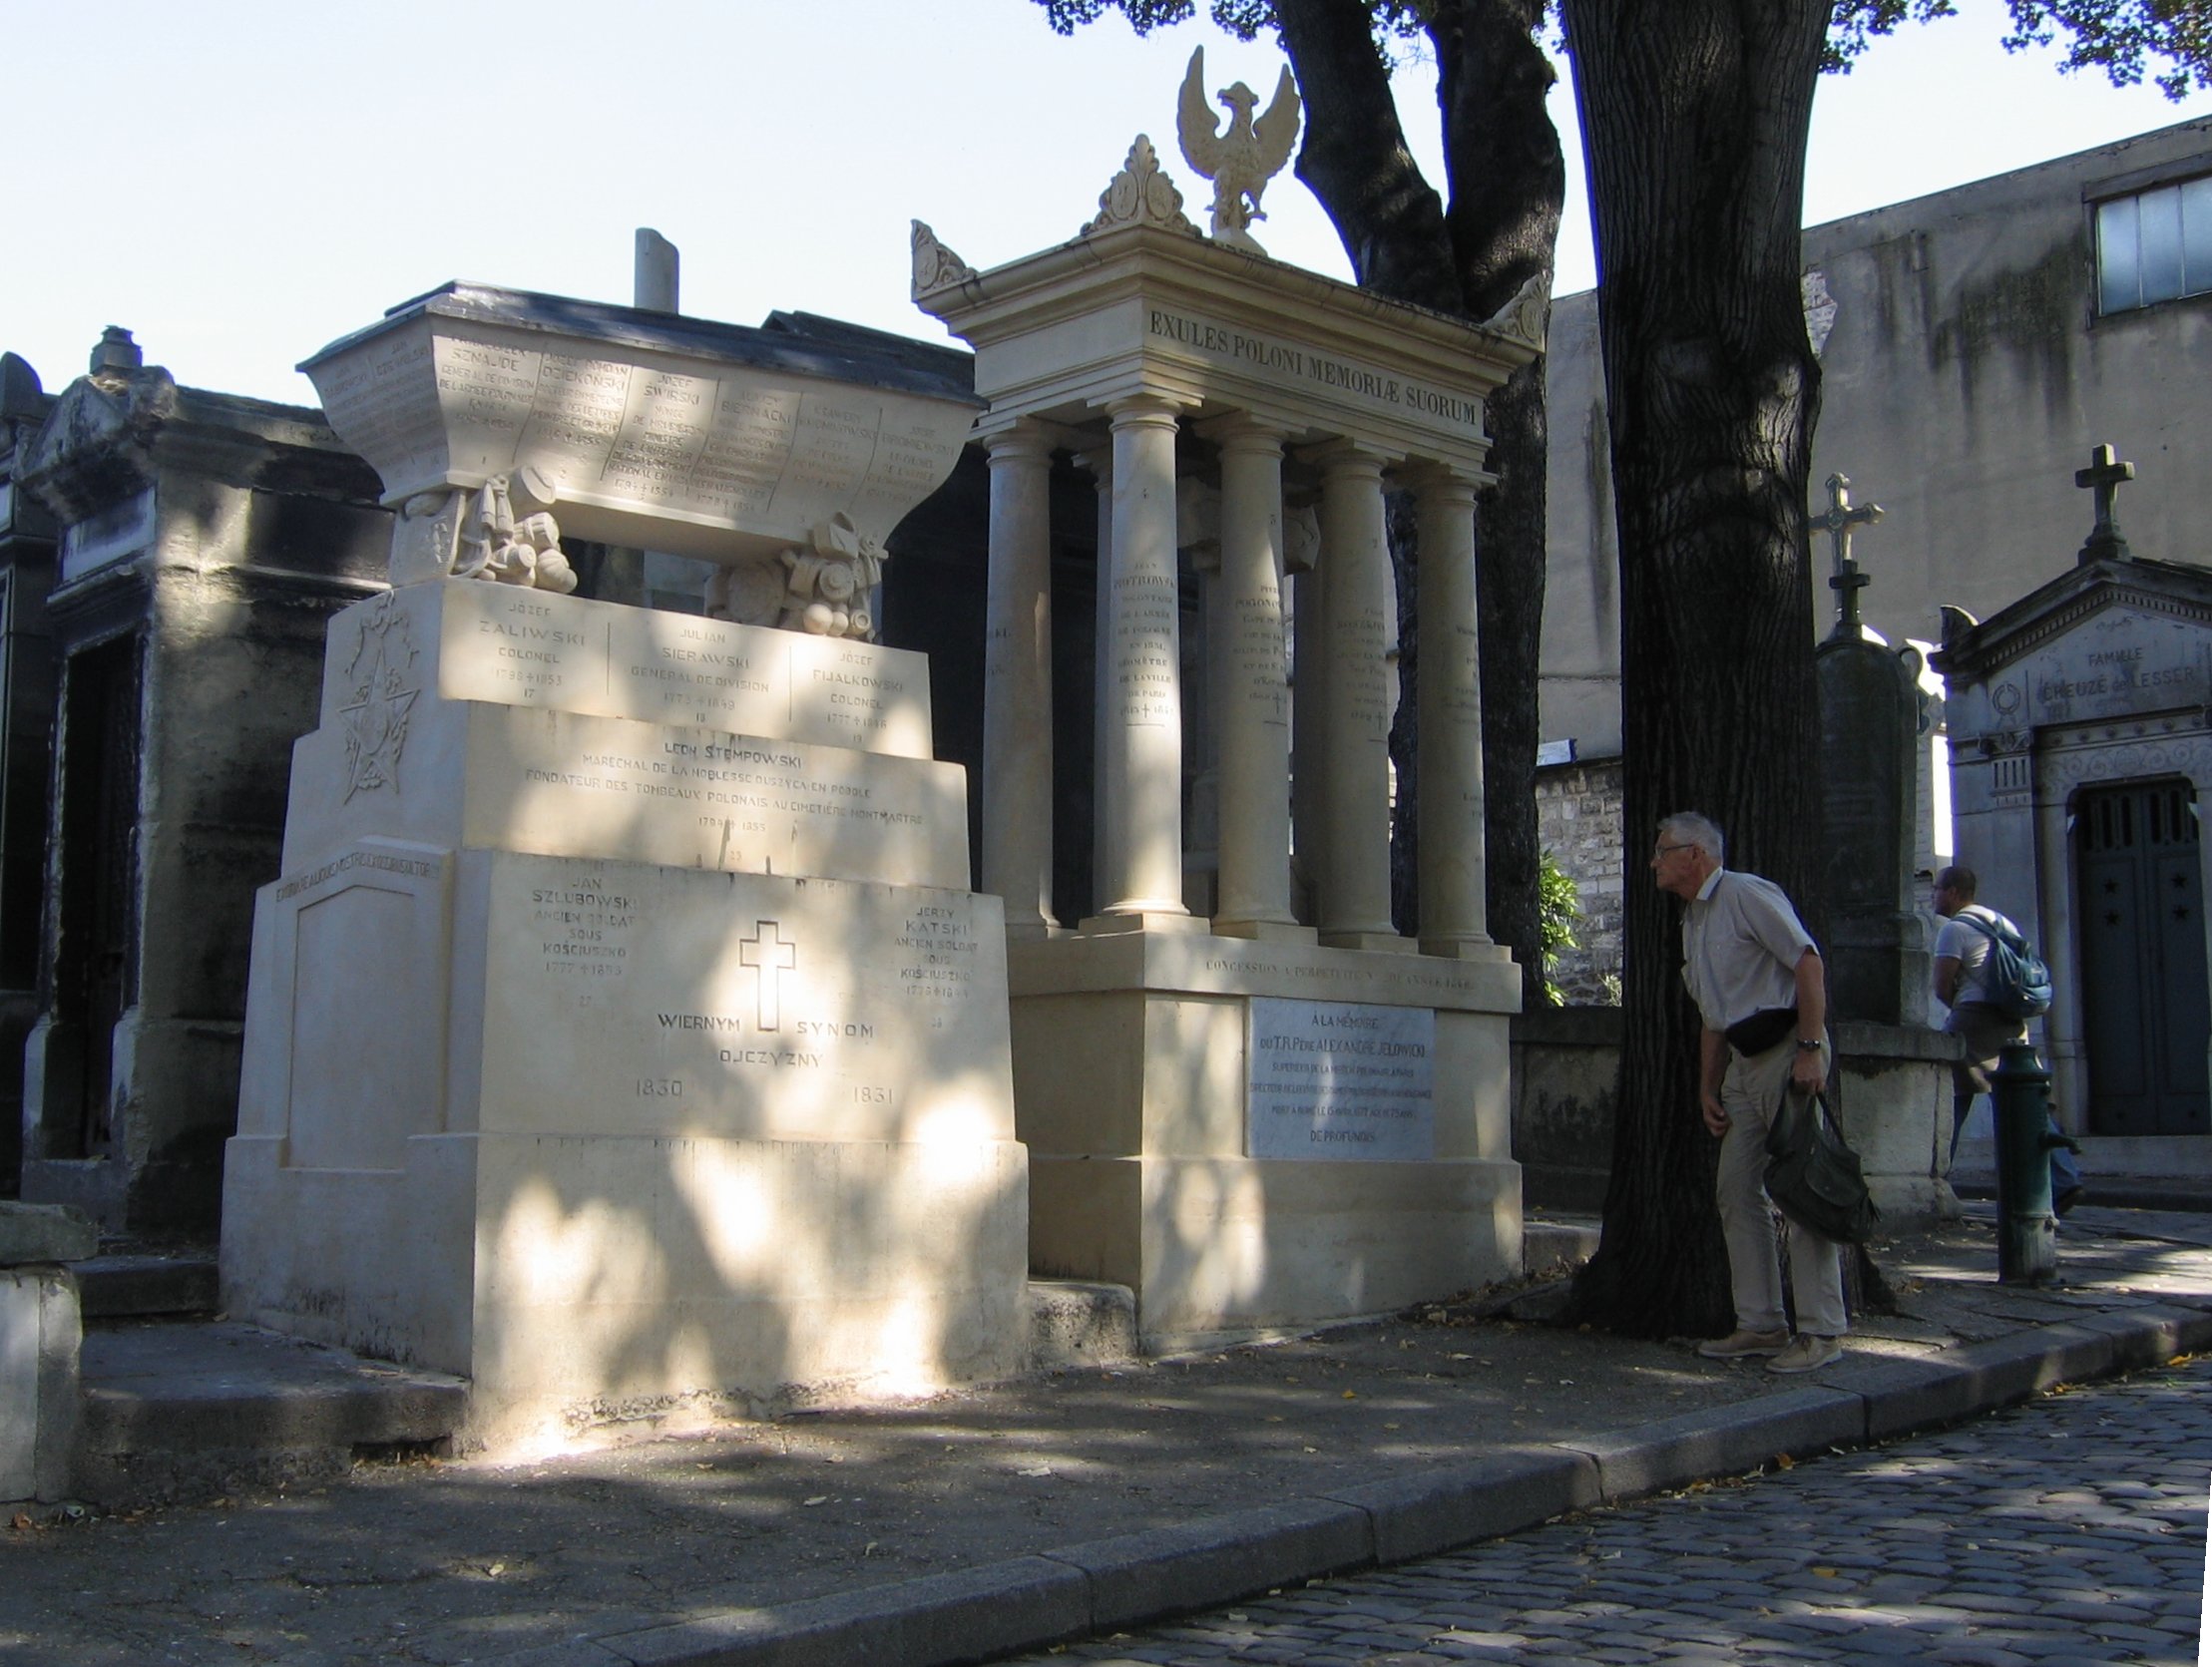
{"x": 1662, "y": 850}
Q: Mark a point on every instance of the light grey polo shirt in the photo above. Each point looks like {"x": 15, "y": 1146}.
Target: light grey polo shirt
{"x": 1741, "y": 943}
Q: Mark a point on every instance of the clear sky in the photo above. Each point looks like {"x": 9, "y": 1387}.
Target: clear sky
{"x": 239, "y": 181}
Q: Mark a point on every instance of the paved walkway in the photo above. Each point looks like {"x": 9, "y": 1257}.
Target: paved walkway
{"x": 1007, "y": 1518}
{"x": 2069, "y": 1531}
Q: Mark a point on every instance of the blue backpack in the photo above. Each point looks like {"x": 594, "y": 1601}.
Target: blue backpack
{"x": 2013, "y": 976}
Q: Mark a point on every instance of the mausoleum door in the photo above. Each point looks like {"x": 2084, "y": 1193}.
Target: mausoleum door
{"x": 2144, "y": 1001}
{"x": 93, "y": 963}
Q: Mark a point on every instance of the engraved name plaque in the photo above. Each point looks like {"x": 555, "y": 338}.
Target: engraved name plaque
{"x": 1340, "y": 1080}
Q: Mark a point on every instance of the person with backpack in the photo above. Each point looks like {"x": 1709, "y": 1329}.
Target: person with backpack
{"x": 1993, "y": 984}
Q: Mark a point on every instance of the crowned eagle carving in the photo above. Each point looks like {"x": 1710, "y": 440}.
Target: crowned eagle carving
{"x": 1241, "y": 157}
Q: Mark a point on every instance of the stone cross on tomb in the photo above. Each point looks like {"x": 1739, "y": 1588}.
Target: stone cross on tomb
{"x": 2103, "y": 476}
{"x": 1847, "y": 581}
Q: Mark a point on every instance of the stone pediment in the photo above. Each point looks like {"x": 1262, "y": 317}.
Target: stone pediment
{"x": 2106, "y": 640}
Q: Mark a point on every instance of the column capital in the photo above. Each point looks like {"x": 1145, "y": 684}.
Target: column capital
{"x": 1242, "y": 430}
{"x": 1013, "y": 434}
{"x": 1443, "y": 482}
{"x": 1343, "y": 457}
{"x": 1144, "y": 406}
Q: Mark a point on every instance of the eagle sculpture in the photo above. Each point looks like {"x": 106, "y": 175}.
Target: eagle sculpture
{"x": 1241, "y": 157}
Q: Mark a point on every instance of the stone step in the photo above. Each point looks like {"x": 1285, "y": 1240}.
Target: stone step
{"x": 1075, "y": 1323}
{"x": 126, "y": 1286}
{"x": 1545, "y": 1243}
{"x": 178, "y": 1411}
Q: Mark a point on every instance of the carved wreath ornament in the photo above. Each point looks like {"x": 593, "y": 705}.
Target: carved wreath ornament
{"x": 381, "y": 690}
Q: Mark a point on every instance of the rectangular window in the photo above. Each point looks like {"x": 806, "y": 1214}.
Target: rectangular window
{"x": 2155, "y": 245}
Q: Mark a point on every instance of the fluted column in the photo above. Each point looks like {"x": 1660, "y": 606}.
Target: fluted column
{"x": 1452, "y": 843}
{"x": 1140, "y": 719}
{"x": 1252, "y": 712}
{"x": 1017, "y": 682}
{"x": 1352, "y": 878}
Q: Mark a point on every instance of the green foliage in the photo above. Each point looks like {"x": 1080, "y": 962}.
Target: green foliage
{"x": 1558, "y": 908}
{"x": 2123, "y": 38}
{"x": 1241, "y": 18}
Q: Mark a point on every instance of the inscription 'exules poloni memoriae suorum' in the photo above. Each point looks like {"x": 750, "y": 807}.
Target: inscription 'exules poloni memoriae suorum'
{"x": 1309, "y": 370}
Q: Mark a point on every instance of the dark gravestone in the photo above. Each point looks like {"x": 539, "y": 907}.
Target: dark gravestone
{"x": 1869, "y": 719}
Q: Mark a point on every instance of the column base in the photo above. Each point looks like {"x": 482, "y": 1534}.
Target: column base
{"x": 1465, "y": 949}
{"x": 1267, "y": 931}
{"x": 1031, "y": 931}
{"x": 1148, "y": 920}
{"x": 1387, "y": 943}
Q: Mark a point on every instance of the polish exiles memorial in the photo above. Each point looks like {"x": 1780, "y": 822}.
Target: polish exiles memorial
{"x": 624, "y": 1032}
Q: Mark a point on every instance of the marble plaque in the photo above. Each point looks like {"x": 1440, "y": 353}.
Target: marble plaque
{"x": 1340, "y": 1080}
{"x": 671, "y": 450}
{"x": 655, "y": 1002}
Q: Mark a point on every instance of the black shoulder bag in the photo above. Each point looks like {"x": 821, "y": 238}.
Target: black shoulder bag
{"x": 1812, "y": 1175}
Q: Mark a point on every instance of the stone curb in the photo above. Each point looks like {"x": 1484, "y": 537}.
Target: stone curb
{"x": 1031, "y": 1602}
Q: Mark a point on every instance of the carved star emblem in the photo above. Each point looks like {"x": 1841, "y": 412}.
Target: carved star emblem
{"x": 382, "y": 696}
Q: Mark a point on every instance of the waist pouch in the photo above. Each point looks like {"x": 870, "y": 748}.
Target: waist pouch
{"x": 1762, "y": 1030}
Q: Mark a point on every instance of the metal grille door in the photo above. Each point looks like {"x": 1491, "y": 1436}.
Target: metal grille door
{"x": 2145, "y": 1002}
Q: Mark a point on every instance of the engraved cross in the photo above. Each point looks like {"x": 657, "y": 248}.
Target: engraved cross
{"x": 1847, "y": 581}
{"x": 766, "y": 954}
{"x": 2103, "y": 476}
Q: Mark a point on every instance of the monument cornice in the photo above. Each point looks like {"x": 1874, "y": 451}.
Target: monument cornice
{"x": 1145, "y": 306}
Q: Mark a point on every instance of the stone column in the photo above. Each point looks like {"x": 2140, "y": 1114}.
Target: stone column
{"x": 1252, "y": 711}
{"x": 1454, "y": 913}
{"x": 1140, "y": 810}
{"x": 1352, "y": 878}
{"x": 1099, "y": 462}
{"x": 1017, "y": 682}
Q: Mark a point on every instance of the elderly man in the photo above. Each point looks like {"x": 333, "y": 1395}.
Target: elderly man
{"x": 1760, "y": 987}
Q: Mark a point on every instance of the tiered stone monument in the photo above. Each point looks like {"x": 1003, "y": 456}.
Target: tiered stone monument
{"x": 623, "y": 1034}
{"x": 1267, "y": 1117}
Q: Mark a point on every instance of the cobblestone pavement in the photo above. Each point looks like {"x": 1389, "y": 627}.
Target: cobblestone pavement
{"x": 2072, "y": 1529}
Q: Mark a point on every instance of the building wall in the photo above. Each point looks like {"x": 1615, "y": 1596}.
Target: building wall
{"x": 1967, "y": 376}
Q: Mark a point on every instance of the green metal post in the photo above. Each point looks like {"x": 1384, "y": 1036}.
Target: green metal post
{"x": 2027, "y": 1231}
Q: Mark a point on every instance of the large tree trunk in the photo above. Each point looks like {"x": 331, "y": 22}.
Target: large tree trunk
{"x": 1696, "y": 114}
{"x": 1506, "y": 185}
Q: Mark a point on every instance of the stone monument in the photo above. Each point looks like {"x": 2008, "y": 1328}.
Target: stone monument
{"x": 623, "y": 1034}
{"x": 1871, "y": 718}
{"x": 1283, "y": 1113}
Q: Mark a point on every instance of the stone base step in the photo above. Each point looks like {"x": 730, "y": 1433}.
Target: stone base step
{"x": 174, "y": 1412}
{"x": 1543, "y": 1244}
{"x": 1073, "y": 1323}
{"x": 122, "y": 1287}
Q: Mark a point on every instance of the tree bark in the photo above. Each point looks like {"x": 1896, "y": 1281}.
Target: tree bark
{"x": 1507, "y": 186}
{"x": 1695, "y": 115}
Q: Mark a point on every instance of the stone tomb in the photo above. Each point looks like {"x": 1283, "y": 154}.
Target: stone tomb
{"x": 1253, "y": 1102}
{"x": 623, "y": 1035}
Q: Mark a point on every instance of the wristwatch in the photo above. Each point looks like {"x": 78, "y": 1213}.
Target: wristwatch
{"x": 1812, "y": 1046}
